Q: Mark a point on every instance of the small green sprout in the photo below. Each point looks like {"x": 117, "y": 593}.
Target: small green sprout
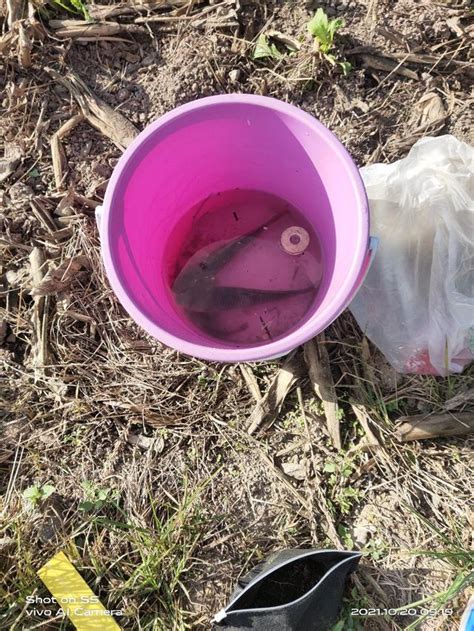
{"x": 264, "y": 48}
{"x": 96, "y": 497}
{"x": 76, "y": 7}
{"x": 35, "y": 494}
{"x": 323, "y": 30}
{"x": 266, "y": 45}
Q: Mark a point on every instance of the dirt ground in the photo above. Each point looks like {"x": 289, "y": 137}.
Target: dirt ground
{"x": 140, "y": 458}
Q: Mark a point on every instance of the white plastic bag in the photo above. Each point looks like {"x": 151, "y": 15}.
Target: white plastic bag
{"x": 417, "y": 302}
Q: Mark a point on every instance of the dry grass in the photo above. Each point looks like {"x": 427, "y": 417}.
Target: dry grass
{"x": 161, "y": 496}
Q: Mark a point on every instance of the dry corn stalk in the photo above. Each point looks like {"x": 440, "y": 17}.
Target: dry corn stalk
{"x": 77, "y": 29}
{"x": 317, "y": 360}
{"x": 57, "y": 153}
{"x": 100, "y": 115}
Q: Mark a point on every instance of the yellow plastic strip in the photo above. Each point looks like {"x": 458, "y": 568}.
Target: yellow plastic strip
{"x": 75, "y": 597}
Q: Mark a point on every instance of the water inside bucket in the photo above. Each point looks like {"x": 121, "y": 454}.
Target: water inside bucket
{"x": 248, "y": 269}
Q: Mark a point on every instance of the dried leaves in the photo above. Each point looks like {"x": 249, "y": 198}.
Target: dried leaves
{"x": 59, "y": 278}
{"x": 431, "y": 113}
{"x": 9, "y": 162}
{"x": 270, "y": 405}
{"x": 57, "y": 154}
{"x": 100, "y": 115}
{"x": 317, "y": 360}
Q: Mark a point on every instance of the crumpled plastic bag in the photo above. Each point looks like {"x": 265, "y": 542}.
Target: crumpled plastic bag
{"x": 417, "y": 301}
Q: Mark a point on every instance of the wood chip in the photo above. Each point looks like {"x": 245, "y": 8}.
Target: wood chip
{"x": 270, "y": 405}
{"x": 317, "y": 360}
{"x": 295, "y": 470}
{"x": 9, "y": 162}
{"x": 143, "y": 413}
{"x": 152, "y": 443}
{"x": 456, "y": 26}
{"x": 7, "y": 41}
{"x": 432, "y": 60}
{"x": 42, "y": 214}
{"x": 430, "y": 112}
{"x": 100, "y": 115}
{"x": 422, "y": 427}
{"x": 16, "y": 10}
{"x": 200, "y": 18}
{"x": 441, "y": 63}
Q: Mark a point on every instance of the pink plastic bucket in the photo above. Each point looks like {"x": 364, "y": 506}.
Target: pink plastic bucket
{"x": 217, "y": 144}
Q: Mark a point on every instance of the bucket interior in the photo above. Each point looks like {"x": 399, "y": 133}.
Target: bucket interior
{"x": 220, "y": 147}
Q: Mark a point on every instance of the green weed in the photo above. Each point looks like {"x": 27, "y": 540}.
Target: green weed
{"x": 342, "y": 496}
{"x": 265, "y": 48}
{"x": 323, "y": 30}
{"x": 35, "y": 494}
{"x": 274, "y": 45}
{"x": 454, "y": 555}
{"x": 96, "y": 497}
{"x": 76, "y": 7}
{"x": 151, "y": 571}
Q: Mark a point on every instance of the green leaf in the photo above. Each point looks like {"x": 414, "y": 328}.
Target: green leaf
{"x": 46, "y": 491}
{"x": 346, "y": 471}
{"x": 263, "y": 49}
{"x": 33, "y": 173}
{"x": 318, "y": 25}
{"x": 346, "y": 67}
{"x": 334, "y": 26}
{"x": 86, "y": 506}
{"x": 330, "y": 467}
{"x": 323, "y": 29}
{"x": 320, "y": 29}
{"x": 32, "y": 493}
{"x": 35, "y": 494}
{"x": 331, "y": 59}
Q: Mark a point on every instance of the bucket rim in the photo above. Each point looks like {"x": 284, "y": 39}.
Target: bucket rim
{"x": 316, "y": 323}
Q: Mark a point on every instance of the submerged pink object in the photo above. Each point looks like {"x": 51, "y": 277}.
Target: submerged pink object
{"x": 218, "y": 144}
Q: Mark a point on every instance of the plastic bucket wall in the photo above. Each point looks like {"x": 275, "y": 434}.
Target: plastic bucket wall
{"x": 217, "y": 144}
